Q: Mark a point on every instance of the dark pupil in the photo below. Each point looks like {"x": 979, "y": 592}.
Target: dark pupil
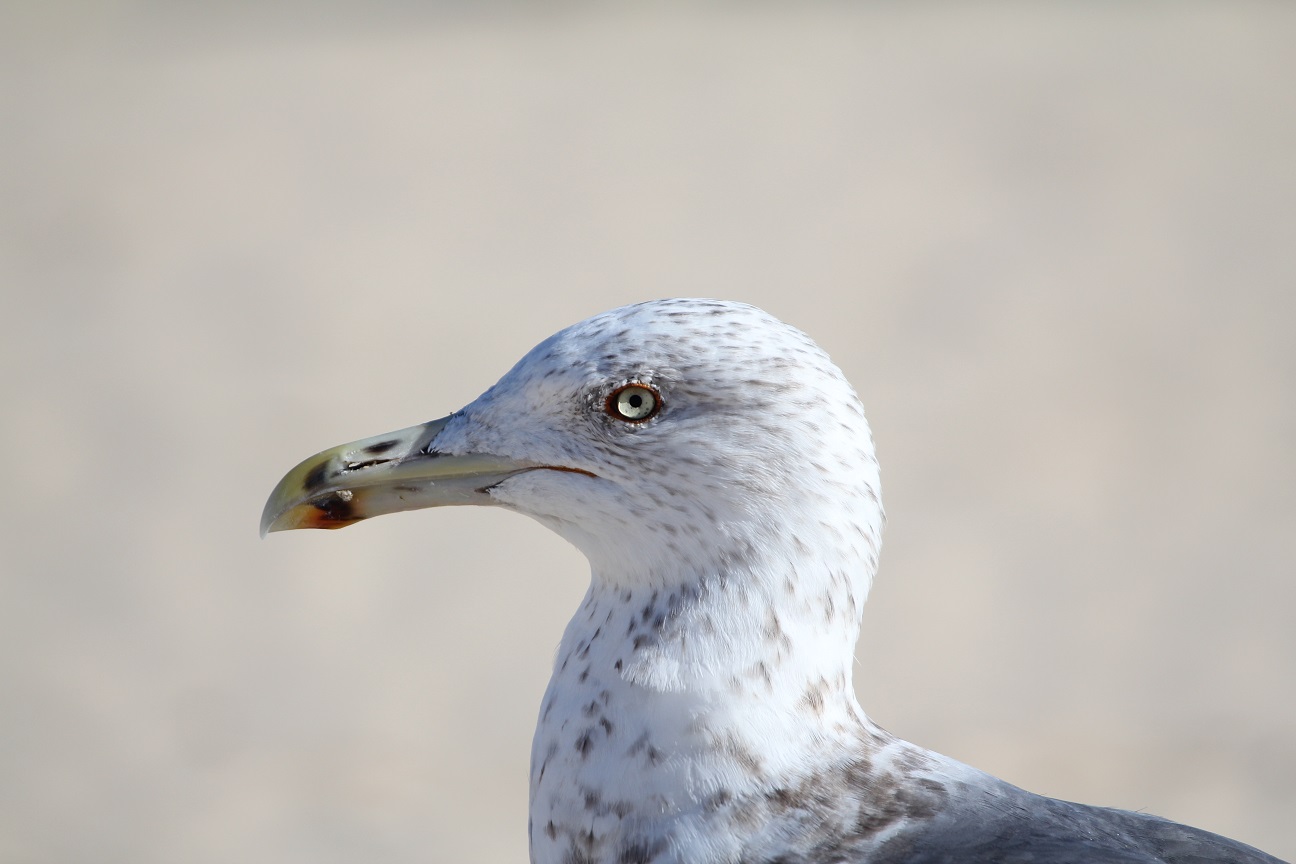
{"x": 635, "y": 401}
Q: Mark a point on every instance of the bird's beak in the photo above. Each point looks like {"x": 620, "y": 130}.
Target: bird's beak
{"x": 384, "y": 474}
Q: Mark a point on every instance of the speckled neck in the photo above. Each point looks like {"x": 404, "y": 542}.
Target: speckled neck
{"x": 671, "y": 708}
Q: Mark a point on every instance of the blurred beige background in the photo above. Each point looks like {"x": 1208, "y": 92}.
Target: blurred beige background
{"x": 1054, "y": 247}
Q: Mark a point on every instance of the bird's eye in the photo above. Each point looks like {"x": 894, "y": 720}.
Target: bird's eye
{"x": 633, "y": 403}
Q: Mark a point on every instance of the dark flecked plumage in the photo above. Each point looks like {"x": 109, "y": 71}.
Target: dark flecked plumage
{"x": 701, "y": 708}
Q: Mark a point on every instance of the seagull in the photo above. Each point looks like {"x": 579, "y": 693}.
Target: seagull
{"x": 717, "y": 471}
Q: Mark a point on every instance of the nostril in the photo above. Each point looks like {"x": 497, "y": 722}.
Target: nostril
{"x": 356, "y": 466}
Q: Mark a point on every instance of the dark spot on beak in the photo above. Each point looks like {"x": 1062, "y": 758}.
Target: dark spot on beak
{"x": 335, "y": 508}
{"x": 381, "y": 447}
{"x": 316, "y": 477}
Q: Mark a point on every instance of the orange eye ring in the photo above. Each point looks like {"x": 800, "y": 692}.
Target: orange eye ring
{"x": 633, "y": 403}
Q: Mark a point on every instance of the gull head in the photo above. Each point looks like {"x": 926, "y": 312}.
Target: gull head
{"x": 667, "y": 436}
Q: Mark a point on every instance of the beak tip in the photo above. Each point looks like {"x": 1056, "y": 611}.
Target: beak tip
{"x": 322, "y": 513}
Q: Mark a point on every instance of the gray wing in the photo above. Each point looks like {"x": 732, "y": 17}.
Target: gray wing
{"x": 1003, "y": 824}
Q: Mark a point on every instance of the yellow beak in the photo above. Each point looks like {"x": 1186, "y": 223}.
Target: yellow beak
{"x": 384, "y": 474}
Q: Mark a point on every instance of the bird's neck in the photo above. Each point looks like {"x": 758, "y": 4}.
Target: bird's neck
{"x": 669, "y": 702}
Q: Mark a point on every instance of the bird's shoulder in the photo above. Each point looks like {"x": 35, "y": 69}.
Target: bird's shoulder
{"x": 993, "y": 821}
